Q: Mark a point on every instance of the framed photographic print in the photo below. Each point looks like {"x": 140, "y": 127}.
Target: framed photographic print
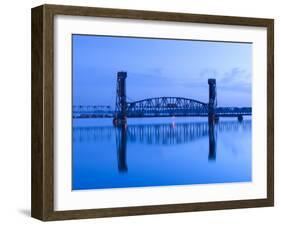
{"x": 142, "y": 112}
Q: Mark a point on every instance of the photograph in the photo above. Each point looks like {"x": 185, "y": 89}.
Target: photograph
{"x": 151, "y": 111}
{"x": 138, "y": 112}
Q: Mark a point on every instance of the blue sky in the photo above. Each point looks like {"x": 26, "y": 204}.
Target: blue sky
{"x": 160, "y": 67}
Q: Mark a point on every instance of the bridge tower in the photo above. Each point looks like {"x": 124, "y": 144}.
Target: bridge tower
{"x": 120, "y": 117}
{"x": 212, "y": 100}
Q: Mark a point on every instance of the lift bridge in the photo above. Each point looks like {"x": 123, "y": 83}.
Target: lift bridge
{"x": 160, "y": 106}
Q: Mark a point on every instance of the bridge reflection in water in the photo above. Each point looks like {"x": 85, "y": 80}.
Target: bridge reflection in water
{"x": 157, "y": 134}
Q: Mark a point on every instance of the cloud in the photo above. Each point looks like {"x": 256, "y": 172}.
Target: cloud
{"x": 237, "y": 79}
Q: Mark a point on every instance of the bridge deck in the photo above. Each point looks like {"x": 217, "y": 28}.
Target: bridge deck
{"x": 220, "y": 112}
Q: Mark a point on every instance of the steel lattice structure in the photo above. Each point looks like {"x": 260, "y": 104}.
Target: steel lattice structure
{"x": 92, "y": 111}
{"x": 160, "y": 107}
{"x": 166, "y": 106}
{"x": 233, "y": 111}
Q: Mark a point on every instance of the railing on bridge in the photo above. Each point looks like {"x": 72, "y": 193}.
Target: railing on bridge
{"x": 92, "y": 111}
{"x": 233, "y": 111}
{"x": 161, "y": 108}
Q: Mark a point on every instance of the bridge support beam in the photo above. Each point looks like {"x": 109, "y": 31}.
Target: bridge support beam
{"x": 120, "y": 117}
{"x": 212, "y": 100}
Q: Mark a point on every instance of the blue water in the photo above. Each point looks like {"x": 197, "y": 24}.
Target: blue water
{"x": 160, "y": 152}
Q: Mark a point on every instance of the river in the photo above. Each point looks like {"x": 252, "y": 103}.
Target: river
{"x": 160, "y": 152}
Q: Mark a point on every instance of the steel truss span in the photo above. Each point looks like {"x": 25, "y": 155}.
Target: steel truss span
{"x": 166, "y": 107}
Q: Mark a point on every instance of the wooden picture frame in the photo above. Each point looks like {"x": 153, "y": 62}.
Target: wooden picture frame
{"x": 42, "y": 204}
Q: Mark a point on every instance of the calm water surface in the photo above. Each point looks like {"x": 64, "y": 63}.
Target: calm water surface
{"x": 160, "y": 152}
